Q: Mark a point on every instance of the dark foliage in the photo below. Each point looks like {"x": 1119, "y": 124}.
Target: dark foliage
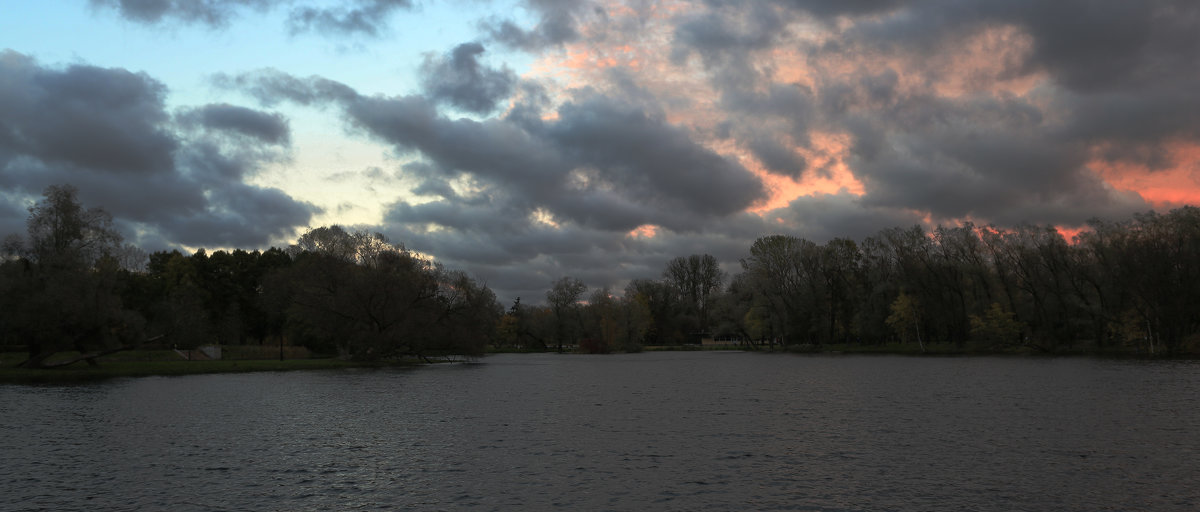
{"x": 1122, "y": 286}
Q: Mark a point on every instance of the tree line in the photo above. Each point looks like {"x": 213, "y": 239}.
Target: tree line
{"x": 71, "y": 284}
{"x": 1128, "y": 286}
{"x": 1132, "y": 284}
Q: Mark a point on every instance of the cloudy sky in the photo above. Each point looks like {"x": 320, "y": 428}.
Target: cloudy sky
{"x": 524, "y": 140}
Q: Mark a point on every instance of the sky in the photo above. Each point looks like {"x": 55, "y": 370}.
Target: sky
{"x": 526, "y": 140}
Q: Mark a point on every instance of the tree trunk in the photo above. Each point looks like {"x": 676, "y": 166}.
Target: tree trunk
{"x": 39, "y": 361}
{"x": 917, "y": 326}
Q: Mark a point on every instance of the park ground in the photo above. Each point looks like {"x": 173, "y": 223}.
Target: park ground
{"x": 142, "y": 363}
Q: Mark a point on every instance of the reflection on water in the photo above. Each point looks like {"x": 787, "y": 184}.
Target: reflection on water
{"x": 655, "y": 431}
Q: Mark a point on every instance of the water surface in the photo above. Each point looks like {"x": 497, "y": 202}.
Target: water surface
{"x": 654, "y": 431}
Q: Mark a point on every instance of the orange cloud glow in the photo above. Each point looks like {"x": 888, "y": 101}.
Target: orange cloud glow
{"x": 643, "y": 231}
{"x": 989, "y": 61}
{"x": 586, "y": 63}
{"x": 828, "y": 173}
{"x": 1164, "y": 188}
{"x": 1070, "y": 233}
{"x": 983, "y": 63}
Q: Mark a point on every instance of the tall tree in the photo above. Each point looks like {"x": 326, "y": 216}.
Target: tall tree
{"x": 787, "y": 272}
{"x": 563, "y": 297}
{"x": 660, "y": 304}
{"x": 771, "y": 270}
{"x": 841, "y": 272}
{"x": 905, "y": 318}
{"x": 372, "y": 299}
{"x": 63, "y": 234}
{"x": 696, "y": 279}
{"x": 65, "y": 296}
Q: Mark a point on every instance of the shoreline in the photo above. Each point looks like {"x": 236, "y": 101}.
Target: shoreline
{"x": 111, "y": 369}
{"x": 936, "y": 350}
{"x": 81, "y": 373}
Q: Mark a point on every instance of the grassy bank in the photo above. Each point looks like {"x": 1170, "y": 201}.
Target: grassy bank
{"x": 168, "y": 363}
{"x": 981, "y": 349}
{"x": 890, "y": 348}
{"x": 930, "y": 349}
{"x": 153, "y": 363}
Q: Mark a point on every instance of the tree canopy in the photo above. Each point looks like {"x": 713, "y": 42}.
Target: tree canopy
{"x": 1129, "y": 285}
{"x": 60, "y": 286}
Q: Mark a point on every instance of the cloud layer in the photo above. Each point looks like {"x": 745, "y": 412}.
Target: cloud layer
{"x": 353, "y": 17}
{"x": 168, "y": 179}
{"x": 646, "y": 130}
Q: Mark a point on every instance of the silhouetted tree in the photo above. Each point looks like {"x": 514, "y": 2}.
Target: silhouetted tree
{"x": 63, "y": 293}
{"x": 563, "y": 297}
{"x": 370, "y": 299}
{"x": 696, "y": 280}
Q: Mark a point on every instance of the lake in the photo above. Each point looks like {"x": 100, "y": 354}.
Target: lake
{"x": 652, "y": 431}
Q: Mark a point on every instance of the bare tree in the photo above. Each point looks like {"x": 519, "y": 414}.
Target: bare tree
{"x": 563, "y": 297}
{"x": 63, "y": 234}
{"x": 696, "y": 278}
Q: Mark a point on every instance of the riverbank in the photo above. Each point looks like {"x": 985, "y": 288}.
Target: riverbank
{"x": 930, "y": 349}
{"x": 154, "y": 366}
{"x": 167, "y": 363}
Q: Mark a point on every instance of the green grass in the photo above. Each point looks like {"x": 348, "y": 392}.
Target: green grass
{"x": 691, "y": 348}
{"x": 970, "y": 349}
{"x": 142, "y": 363}
{"x": 892, "y": 348}
{"x": 931, "y": 349}
{"x": 81, "y": 372}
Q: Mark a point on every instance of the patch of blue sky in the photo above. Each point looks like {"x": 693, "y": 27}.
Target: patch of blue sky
{"x": 185, "y": 57}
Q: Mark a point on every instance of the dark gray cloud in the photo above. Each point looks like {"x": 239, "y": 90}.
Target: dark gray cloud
{"x": 270, "y": 128}
{"x": 728, "y": 30}
{"x": 1085, "y": 45}
{"x": 460, "y": 80}
{"x": 271, "y": 86}
{"x": 981, "y": 158}
{"x": 84, "y": 116}
{"x": 651, "y": 161}
{"x": 1091, "y": 46}
{"x": 240, "y": 215}
{"x": 208, "y": 162}
{"x": 519, "y": 258}
{"x": 1118, "y": 76}
{"x": 770, "y": 121}
{"x": 558, "y": 23}
{"x": 367, "y": 17}
{"x": 823, "y": 217}
{"x": 776, "y": 157}
{"x": 603, "y": 163}
{"x": 992, "y": 111}
{"x": 343, "y": 17}
{"x": 830, "y": 9}
{"x": 556, "y": 195}
{"x": 106, "y": 131}
{"x": 1134, "y": 128}
{"x": 213, "y": 13}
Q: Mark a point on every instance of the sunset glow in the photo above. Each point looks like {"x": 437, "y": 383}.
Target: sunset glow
{"x": 1176, "y": 183}
{"x": 644, "y": 231}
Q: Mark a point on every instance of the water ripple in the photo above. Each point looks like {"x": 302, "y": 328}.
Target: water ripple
{"x": 667, "y": 431}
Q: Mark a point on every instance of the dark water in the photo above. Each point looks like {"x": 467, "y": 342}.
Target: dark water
{"x": 657, "y": 431}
